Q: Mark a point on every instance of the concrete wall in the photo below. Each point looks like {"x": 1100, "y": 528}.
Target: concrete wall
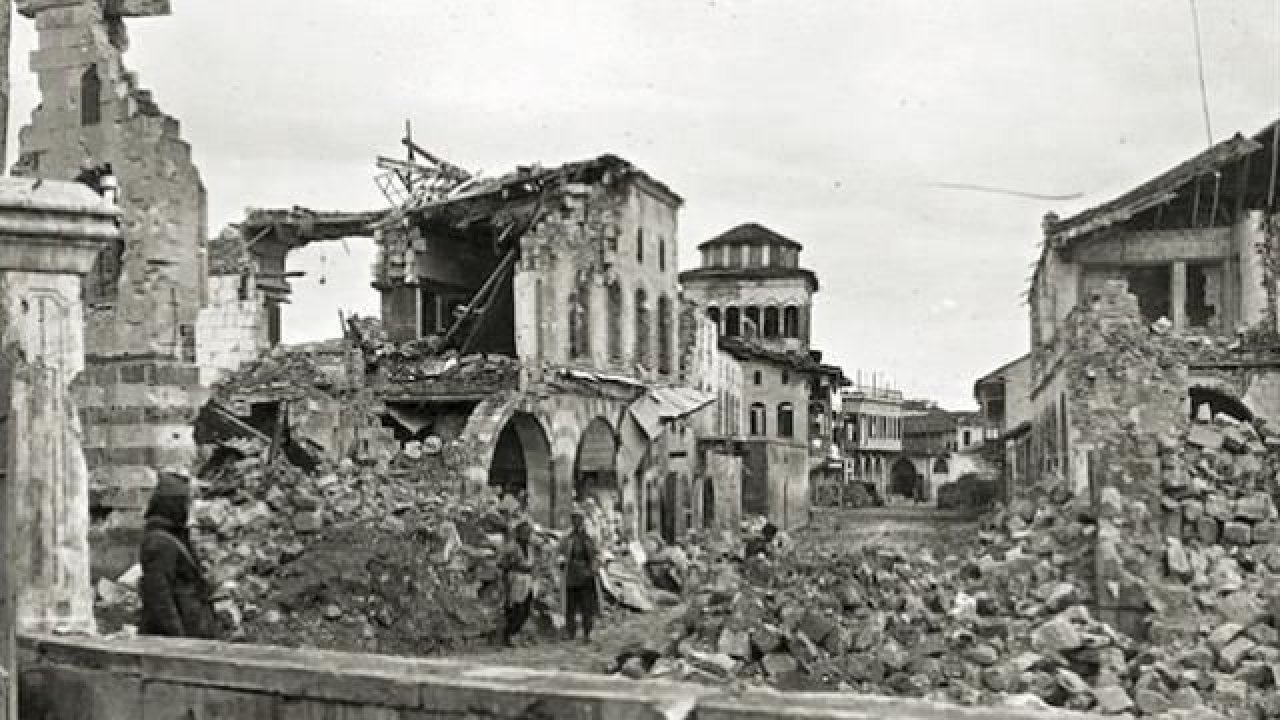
{"x": 83, "y": 679}
{"x": 230, "y": 329}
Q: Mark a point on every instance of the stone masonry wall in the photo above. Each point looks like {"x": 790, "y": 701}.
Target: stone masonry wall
{"x": 151, "y": 677}
{"x": 140, "y": 389}
{"x": 230, "y": 330}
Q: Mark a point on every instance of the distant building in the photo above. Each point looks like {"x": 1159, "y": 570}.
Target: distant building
{"x": 754, "y": 291}
{"x": 872, "y": 427}
{"x": 1004, "y": 395}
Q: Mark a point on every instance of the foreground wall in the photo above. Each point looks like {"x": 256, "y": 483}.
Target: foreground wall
{"x": 93, "y": 679}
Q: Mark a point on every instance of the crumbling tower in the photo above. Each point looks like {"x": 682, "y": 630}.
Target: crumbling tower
{"x": 139, "y": 389}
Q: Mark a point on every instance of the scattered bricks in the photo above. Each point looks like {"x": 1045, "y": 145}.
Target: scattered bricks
{"x": 1186, "y": 698}
{"x": 1208, "y": 530}
{"x": 734, "y": 643}
{"x": 1151, "y": 701}
{"x": 1192, "y": 510}
{"x": 1266, "y": 533}
{"x": 1219, "y": 507}
{"x": 838, "y": 641}
{"x": 1256, "y": 674}
{"x": 1230, "y": 657}
{"x": 1255, "y": 508}
{"x": 766, "y": 638}
{"x": 1263, "y": 634}
{"x": 1243, "y": 608}
{"x": 982, "y": 654}
{"x": 1176, "y": 479}
{"x": 1176, "y": 560}
{"x": 816, "y": 626}
{"x": 1112, "y": 700}
{"x": 1223, "y": 635}
{"x": 1056, "y": 635}
{"x": 308, "y": 522}
{"x": 1205, "y": 436}
{"x": 1234, "y": 440}
{"x": 780, "y": 664}
{"x": 1236, "y": 533}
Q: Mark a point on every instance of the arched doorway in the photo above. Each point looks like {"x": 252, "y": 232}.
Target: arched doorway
{"x": 1218, "y": 402}
{"x": 594, "y": 471}
{"x": 521, "y": 466}
{"x": 904, "y": 480}
{"x": 708, "y": 504}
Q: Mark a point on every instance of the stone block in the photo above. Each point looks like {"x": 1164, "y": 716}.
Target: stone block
{"x": 1224, "y": 634}
{"x": 1205, "y": 436}
{"x": 138, "y": 8}
{"x": 1219, "y": 507}
{"x": 1208, "y": 530}
{"x": 1236, "y": 533}
{"x": 1255, "y": 508}
{"x": 1234, "y": 653}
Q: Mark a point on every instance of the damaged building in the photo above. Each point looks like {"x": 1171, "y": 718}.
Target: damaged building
{"x": 1196, "y": 247}
{"x": 570, "y": 273}
{"x": 139, "y": 390}
{"x": 760, "y": 299}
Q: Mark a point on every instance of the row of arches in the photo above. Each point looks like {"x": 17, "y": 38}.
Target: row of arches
{"x": 771, "y": 322}
{"x": 521, "y": 466}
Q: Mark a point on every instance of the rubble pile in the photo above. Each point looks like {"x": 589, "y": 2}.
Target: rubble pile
{"x": 1010, "y": 612}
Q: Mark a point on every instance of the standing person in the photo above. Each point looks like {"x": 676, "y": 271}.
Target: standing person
{"x": 517, "y": 574}
{"x": 175, "y": 596}
{"x": 581, "y": 563}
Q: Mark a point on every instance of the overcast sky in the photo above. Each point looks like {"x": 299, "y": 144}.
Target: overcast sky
{"x": 826, "y": 121}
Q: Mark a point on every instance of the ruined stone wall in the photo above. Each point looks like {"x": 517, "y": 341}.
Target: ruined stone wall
{"x": 231, "y": 329}
{"x": 582, "y": 274}
{"x": 141, "y": 387}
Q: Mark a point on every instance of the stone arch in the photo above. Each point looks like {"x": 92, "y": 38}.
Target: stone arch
{"x": 520, "y": 464}
{"x": 903, "y": 478}
{"x": 1220, "y": 400}
{"x": 595, "y": 465}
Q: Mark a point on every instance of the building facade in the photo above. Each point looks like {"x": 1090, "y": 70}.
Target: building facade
{"x": 1005, "y": 398}
{"x": 571, "y": 273}
{"x": 872, "y": 421}
{"x": 755, "y": 293}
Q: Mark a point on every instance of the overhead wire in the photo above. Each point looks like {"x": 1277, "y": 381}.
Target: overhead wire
{"x": 1204, "y": 92}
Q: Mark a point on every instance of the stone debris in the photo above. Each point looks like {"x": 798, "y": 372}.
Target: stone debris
{"x": 1010, "y": 615}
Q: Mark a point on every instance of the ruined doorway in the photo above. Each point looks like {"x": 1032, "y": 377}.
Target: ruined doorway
{"x": 595, "y": 474}
{"x": 1151, "y": 285}
{"x": 1218, "y": 402}
{"x": 708, "y": 504}
{"x": 521, "y": 466}
{"x": 668, "y": 507}
{"x": 904, "y": 480}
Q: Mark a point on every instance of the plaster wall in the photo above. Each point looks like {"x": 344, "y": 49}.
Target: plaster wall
{"x": 230, "y": 329}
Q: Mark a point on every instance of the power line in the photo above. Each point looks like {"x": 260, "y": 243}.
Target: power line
{"x": 1204, "y": 93}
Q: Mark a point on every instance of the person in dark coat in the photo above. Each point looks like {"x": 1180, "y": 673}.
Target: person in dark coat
{"x": 582, "y": 561}
{"x": 519, "y": 586}
{"x": 175, "y": 596}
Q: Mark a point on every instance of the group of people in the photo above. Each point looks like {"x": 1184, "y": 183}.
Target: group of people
{"x": 176, "y": 598}
{"x": 581, "y": 560}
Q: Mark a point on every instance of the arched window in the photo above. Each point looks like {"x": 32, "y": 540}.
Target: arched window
{"x": 615, "y": 322}
{"x": 770, "y": 329}
{"x": 757, "y": 378}
{"x": 732, "y": 322}
{"x": 664, "y": 334}
{"x": 752, "y": 315}
{"x": 791, "y": 321}
{"x": 758, "y": 426}
{"x": 644, "y": 333}
{"x": 662, "y": 254}
{"x": 786, "y": 420}
{"x": 90, "y": 96}
{"x": 640, "y": 246}
{"x": 713, "y": 313}
{"x": 786, "y": 377}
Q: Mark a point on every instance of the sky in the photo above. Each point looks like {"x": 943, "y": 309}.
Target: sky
{"x": 832, "y": 122}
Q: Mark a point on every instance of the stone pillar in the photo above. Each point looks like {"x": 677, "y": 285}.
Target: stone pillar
{"x": 50, "y": 233}
{"x": 1249, "y": 244}
{"x": 1178, "y": 295}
